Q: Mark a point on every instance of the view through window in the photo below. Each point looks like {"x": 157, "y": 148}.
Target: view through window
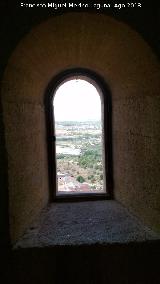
{"x": 78, "y": 129}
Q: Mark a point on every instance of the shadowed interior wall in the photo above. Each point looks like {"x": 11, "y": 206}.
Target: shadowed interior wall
{"x": 126, "y": 62}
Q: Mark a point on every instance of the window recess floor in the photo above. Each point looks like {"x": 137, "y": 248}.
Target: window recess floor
{"x": 85, "y": 223}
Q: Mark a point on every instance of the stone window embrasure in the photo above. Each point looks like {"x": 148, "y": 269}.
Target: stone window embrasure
{"x": 79, "y": 146}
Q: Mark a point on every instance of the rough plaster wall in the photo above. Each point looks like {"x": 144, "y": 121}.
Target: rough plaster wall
{"x": 136, "y": 157}
{"x": 132, "y": 72}
{"x": 28, "y": 177}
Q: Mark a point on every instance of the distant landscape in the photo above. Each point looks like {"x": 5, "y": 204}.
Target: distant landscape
{"x": 79, "y": 156}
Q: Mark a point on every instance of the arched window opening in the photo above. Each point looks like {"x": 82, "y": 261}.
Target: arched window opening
{"x": 78, "y": 129}
{"x": 80, "y": 138}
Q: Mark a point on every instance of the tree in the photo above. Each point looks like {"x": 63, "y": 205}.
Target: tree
{"x": 101, "y": 177}
{"x": 80, "y": 179}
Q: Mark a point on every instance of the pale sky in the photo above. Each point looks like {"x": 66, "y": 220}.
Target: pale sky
{"x": 77, "y": 100}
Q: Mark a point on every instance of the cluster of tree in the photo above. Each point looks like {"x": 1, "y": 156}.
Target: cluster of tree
{"x": 81, "y": 179}
{"x": 91, "y": 159}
